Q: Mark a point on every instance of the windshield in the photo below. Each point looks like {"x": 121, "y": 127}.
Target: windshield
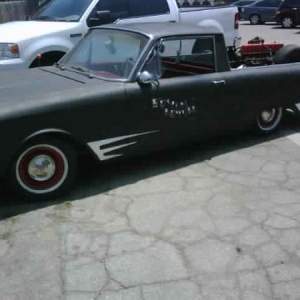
{"x": 62, "y": 10}
{"x": 106, "y": 53}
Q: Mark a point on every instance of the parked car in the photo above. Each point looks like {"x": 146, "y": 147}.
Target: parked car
{"x": 59, "y": 24}
{"x": 242, "y": 3}
{"x": 260, "y": 11}
{"x": 288, "y": 13}
{"x": 126, "y": 90}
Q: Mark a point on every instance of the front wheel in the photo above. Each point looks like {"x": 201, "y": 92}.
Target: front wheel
{"x": 43, "y": 169}
{"x": 268, "y": 120}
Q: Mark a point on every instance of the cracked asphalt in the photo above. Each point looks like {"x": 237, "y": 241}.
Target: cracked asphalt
{"x": 218, "y": 220}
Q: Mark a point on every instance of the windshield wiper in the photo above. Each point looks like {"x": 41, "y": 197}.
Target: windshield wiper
{"x": 45, "y": 18}
{"x": 83, "y": 69}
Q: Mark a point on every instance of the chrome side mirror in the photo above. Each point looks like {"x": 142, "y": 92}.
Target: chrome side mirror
{"x": 145, "y": 77}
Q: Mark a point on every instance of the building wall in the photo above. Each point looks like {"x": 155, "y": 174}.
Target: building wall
{"x": 13, "y": 10}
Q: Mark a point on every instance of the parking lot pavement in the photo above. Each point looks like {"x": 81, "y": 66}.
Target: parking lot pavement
{"x": 270, "y": 32}
{"x": 217, "y": 220}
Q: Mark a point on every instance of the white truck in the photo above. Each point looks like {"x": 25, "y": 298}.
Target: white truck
{"x": 59, "y": 24}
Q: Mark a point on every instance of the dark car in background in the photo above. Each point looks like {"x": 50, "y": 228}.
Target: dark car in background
{"x": 260, "y": 11}
{"x": 242, "y": 3}
{"x": 288, "y": 13}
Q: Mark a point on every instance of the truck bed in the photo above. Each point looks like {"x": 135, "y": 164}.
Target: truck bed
{"x": 227, "y": 17}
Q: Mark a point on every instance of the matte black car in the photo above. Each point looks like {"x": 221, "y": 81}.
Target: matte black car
{"x": 288, "y": 13}
{"x": 260, "y": 11}
{"x": 127, "y": 90}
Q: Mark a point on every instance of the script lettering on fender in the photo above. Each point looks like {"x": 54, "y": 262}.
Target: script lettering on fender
{"x": 174, "y": 109}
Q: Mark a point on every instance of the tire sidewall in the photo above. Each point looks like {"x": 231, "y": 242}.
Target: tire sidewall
{"x": 274, "y": 126}
{"x": 287, "y": 54}
{"x": 258, "y": 19}
{"x": 287, "y": 27}
{"x": 68, "y": 156}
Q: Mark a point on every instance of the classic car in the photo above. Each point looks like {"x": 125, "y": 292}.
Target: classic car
{"x": 127, "y": 90}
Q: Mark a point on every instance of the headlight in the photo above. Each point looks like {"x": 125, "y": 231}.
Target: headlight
{"x": 8, "y": 51}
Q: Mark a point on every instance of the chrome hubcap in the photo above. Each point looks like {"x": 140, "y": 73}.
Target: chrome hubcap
{"x": 41, "y": 168}
{"x": 255, "y": 19}
{"x": 268, "y": 115}
{"x": 287, "y": 22}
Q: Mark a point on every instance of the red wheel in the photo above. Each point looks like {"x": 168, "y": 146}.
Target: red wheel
{"x": 268, "y": 120}
{"x": 44, "y": 168}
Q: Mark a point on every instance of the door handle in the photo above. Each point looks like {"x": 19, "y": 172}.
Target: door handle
{"x": 218, "y": 82}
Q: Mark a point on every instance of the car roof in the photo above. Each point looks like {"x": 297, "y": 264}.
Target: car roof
{"x": 234, "y": 3}
{"x": 157, "y": 30}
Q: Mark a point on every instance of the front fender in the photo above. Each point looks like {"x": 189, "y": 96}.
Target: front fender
{"x": 46, "y": 45}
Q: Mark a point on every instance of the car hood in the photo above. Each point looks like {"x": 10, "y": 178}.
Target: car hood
{"x": 13, "y": 32}
{"x": 35, "y": 89}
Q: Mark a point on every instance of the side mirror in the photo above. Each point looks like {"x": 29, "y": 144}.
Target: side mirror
{"x": 145, "y": 77}
{"x": 100, "y": 18}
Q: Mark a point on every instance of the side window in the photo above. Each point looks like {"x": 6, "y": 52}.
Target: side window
{"x": 187, "y": 57}
{"x": 275, "y": 3}
{"x": 263, "y": 4}
{"x": 151, "y": 7}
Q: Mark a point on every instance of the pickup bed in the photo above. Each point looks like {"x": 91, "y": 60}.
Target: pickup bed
{"x": 59, "y": 24}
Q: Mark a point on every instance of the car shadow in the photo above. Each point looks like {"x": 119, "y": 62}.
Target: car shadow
{"x": 286, "y": 29}
{"x": 98, "y": 179}
{"x": 267, "y": 24}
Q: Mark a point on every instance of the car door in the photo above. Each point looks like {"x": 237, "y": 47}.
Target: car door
{"x": 181, "y": 103}
{"x": 295, "y": 7}
{"x": 266, "y": 9}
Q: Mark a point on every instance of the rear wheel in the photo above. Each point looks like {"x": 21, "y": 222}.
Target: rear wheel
{"x": 268, "y": 120}
{"x": 287, "y": 22}
{"x": 254, "y": 19}
{"x": 43, "y": 169}
{"x": 287, "y": 54}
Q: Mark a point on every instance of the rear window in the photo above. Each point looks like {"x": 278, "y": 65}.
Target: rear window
{"x": 152, "y": 7}
{"x": 133, "y": 8}
{"x": 268, "y": 3}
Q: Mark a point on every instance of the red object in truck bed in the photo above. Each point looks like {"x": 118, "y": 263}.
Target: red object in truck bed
{"x": 260, "y": 48}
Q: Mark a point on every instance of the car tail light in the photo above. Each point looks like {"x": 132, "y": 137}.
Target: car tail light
{"x": 236, "y": 20}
